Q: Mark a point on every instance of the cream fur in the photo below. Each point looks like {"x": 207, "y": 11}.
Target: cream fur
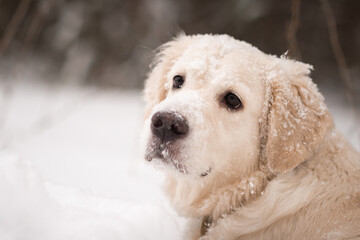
{"x": 279, "y": 169}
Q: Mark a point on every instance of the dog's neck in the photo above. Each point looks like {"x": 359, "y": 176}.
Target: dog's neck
{"x": 201, "y": 200}
{"x": 256, "y": 196}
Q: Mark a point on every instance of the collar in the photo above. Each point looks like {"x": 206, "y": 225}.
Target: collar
{"x": 205, "y": 225}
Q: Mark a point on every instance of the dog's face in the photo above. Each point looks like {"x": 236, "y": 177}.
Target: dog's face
{"x": 212, "y": 101}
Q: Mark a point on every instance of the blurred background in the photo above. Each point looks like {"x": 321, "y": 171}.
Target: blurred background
{"x": 71, "y": 75}
{"x": 109, "y": 43}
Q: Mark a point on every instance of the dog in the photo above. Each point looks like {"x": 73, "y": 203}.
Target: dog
{"x": 247, "y": 143}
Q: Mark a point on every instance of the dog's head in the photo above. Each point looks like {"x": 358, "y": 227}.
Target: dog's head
{"x": 219, "y": 105}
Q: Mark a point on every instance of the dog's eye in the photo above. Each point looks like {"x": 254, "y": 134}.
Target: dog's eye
{"x": 232, "y": 101}
{"x": 178, "y": 81}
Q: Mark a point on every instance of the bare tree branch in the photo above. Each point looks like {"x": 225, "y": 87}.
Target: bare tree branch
{"x": 292, "y": 30}
{"x": 34, "y": 27}
{"x": 14, "y": 24}
{"x": 338, "y": 52}
{"x": 37, "y": 23}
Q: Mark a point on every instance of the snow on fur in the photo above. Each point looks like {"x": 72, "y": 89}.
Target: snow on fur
{"x": 86, "y": 179}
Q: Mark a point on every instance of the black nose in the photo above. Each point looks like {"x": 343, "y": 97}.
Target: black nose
{"x": 168, "y": 126}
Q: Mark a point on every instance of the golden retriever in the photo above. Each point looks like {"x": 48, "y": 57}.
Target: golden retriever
{"x": 248, "y": 145}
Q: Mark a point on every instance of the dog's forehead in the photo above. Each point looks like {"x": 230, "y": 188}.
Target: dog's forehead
{"x": 202, "y": 56}
{"x": 217, "y": 60}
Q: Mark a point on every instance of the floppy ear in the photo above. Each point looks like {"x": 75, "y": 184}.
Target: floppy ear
{"x": 155, "y": 84}
{"x": 298, "y": 119}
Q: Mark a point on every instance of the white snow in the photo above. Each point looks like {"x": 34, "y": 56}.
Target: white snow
{"x": 71, "y": 167}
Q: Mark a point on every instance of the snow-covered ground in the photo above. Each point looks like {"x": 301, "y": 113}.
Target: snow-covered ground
{"x": 70, "y": 166}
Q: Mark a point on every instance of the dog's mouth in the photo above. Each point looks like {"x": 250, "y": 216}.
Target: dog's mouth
{"x": 204, "y": 174}
{"x": 168, "y": 153}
